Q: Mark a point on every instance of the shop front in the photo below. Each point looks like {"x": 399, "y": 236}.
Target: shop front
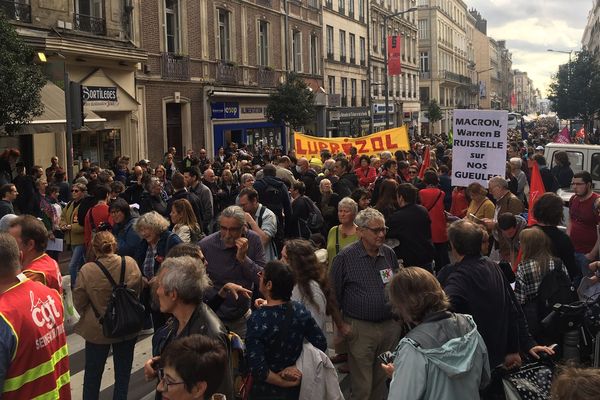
{"x": 379, "y": 116}
{"x": 348, "y": 122}
{"x": 244, "y": 121}
{"x": 409, "y": 113}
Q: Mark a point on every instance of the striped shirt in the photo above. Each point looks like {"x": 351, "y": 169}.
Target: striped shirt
{"x": 359, "y": 281}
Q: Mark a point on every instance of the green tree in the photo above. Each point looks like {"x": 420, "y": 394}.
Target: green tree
{"x": 575, "y": 89}
{"x": 292, "y": 104}
{"x": 20, "y": 80}
{"x": 433, "y": 114}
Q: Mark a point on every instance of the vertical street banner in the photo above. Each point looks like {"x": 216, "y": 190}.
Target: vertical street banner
{"x": 393, "y": 49}
{"x": 478, "y": 146}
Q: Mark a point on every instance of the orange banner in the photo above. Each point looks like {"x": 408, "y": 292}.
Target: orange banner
{"x": 390, "y": 140}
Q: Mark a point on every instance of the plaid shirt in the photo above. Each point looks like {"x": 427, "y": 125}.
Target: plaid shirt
{"x": 529, "y": 277}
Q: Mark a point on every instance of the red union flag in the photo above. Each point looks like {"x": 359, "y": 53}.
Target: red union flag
{"x": 393, "y": 50}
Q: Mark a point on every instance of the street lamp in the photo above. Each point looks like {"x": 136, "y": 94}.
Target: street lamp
{"x": 479, "y": 84}
{"x": 385, "y": 62}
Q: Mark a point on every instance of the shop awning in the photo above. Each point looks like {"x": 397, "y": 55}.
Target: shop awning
{"x": 53, "y": 118}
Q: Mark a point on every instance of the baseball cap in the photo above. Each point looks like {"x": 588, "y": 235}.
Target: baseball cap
{"x": 540, "y": 148}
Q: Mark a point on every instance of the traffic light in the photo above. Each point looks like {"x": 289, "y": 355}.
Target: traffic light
{"x": 76, "y": 105}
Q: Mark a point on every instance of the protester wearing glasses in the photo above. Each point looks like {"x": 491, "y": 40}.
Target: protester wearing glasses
{"x": 234, "y": 254}
{"x": 360, "y": 274}
{"x": 73, "y": 230}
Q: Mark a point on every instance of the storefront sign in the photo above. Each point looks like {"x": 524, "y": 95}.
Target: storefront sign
{"x": 349, "y": 113}
{"x": 225, "y": 110}
{"x": 103, "y": 94}
{"x": 479, "y": 146}
{"x": 253, "y": 111}
{"x": 391, "y": 140}
{"x": 379, "y": 108}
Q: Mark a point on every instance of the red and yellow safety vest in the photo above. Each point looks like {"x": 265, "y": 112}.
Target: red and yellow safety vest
{"x": 39, "y": 367}
{"x": 45, "y": 269}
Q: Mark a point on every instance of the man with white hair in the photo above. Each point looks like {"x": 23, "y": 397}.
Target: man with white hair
{"x": 516, "y": 170}
{"x": 360, "y": 274}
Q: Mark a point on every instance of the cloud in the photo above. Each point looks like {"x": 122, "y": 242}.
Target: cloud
{"x": 532, "y": 27}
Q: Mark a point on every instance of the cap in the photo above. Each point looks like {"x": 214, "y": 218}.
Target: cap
{"x": 540, "y": 148}
{"x": 316, "y": 162}
{"x": 144, "y": 162}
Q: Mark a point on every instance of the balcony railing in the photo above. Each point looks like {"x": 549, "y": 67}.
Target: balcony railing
{"x": 353, "y": 102}
{"x": 451, "y": 76}
{"x": 352, "y": 60}
{"x": 344, "y": 101}
{"x": 363, "y": 101}
{"x": 227, "y": 72}
{"x": 425, "y": 75}
{"x": 330, "y": 56}
{"x": 15, "y": 10}
{"x": 175, "y": 67}
{"x": 266, "y": 3}
{"x": 87, "y": 23}
{"x": 397, "y": 93}
{"x": 343, "y": 58}
{"x": 266, "y": 77}
{"x": 362, "y": 62}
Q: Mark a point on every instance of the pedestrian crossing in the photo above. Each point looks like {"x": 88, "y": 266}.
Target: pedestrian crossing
{"x": 139, "y": 389}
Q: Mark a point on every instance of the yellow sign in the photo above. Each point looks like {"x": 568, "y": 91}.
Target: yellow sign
{"x": 390, "y": 140}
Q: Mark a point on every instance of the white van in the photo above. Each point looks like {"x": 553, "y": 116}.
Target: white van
{"x": 583, "y": 157}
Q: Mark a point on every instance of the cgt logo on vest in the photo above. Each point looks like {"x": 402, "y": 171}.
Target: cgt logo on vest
{"x": 44, "y": 312}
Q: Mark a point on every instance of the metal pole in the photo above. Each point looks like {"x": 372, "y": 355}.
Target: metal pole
{"x": 287, "y": 55}
{"x": 369, "y": 71}
{"x": 385, "y": 81}
{"x": 68, "y": 124}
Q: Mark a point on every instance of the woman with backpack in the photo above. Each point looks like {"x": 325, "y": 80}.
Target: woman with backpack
{"x": 536, "y": 262}
{"x": 184, "y": 222}
{"x": 91, "y": 296}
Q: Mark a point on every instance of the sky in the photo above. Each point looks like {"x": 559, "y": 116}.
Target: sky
{"x": 530, "y": 27}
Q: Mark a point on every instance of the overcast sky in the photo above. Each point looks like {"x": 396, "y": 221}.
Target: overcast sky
{"x": 530, "y": 27}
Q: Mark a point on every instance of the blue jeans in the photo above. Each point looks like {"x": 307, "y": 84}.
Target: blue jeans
{"x": 95, "y": 359}
{"x": 77, "y": 260}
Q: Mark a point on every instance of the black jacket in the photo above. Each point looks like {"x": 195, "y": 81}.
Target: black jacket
{"x": 261, "y": 186}
{"x": 310, "y": 181}
{"x": 476, "y": 286}
{"x": 563, "y": 175}
{"x": 347, "y": 183}
{"x": 148, "y": 203}
{"x": 189, "y": 196}
{"x": 411, "y": 225}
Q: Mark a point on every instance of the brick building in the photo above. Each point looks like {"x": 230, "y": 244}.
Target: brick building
{"x": 212, "y": 65}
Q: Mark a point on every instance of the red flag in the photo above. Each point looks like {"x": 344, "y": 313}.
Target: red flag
{"x": 393, "y": 50}
{"x": 563, "y": 136}
{"x": 536, "y": 189}
{"x": 426, "y": 162}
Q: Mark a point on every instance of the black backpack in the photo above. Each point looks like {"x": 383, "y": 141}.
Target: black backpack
{"x": 315, "y": 220}
{"x": 556, "y": 287}
{"x": 271, "y": 198}
{"x": 124, "y": 314}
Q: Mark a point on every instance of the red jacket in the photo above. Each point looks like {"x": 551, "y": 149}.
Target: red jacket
{"x": 47, "y": 267}
{"x": 366, "y": 176}
{"x": 433, "y": 200}
{"x": 99, "y": 214}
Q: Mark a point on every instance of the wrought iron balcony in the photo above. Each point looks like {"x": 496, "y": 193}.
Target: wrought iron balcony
{"x": 175, "y": 67}
{"x": 451, "y": 76}
{"x": 266, "y": 77}
{"x": 87, "y": 23}
{"x": 227, "y": 72}
{"x": 15, "y": 10}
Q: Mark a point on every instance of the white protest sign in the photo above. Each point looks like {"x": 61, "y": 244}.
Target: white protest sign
{"x": 479, "y": 146}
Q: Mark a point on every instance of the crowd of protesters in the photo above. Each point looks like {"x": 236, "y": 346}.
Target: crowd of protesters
{"x": 268, "y": 247}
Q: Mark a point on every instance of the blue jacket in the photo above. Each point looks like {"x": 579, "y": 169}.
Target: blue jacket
{"x": 167, "y": 240}
{"x": 444, "y": 358}
{"x": 128, "y": 239}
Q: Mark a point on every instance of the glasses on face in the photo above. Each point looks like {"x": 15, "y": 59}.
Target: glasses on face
{"x": 73, "y": 191}
{"x": 412, "y": 172}
{"x": 378, "y": 231}
{"x": 165, "y": 380}
{"x": 232, "y": 230}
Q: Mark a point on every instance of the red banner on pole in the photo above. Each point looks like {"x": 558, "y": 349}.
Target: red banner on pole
{"x": 393, "y": 49}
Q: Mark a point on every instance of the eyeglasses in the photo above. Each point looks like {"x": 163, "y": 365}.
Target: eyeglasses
{"x": 227, "y": 229}
{"x": 163, "y": 378}
{"x": 378, "y": 231}
{"x": 412, "y": 172}
{"x": 75, "y": 191}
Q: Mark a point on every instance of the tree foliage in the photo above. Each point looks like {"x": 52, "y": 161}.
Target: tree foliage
{"x": 575, "y": 88}
{"x": 20, "y": 80}
{"x": 293, "y": 103}
{"x": 433, "y": 113}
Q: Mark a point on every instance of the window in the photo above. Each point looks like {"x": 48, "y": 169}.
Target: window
{"x": 423, "y": 29}
{"x": 263, "y": 43}
{"x": 383, "y": 38}
{"x": 374, "y": 35}
{"x": 353, "y": 92}
{"x": 342, "y": 46}
{"x": 224, "y": 35}
{"x": 344, "y": 92}
{"x": 342, "y": 6}
{"x": 172, "y": 34}
{"x": 424, "y": 61}
{"x": 363, "y": 51}
{"x": 314, "y": 54}
{"x": 297, "y": 51}
{"x": 361, "y": 10}
{"x": 351, "y": 8}
{"x": 363, "y": 93}
{"x": 331, "y": 84}
{"x": 330, "y": 42}
{"x": 352, "y": 39}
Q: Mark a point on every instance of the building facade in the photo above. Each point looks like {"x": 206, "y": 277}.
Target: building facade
{"x": 591, "y": 35}
{"x": 97, "y": 44}
{"x": 525, "y": 93}
{"x": 446, "y": 62}
{"x": 213, "y": 65}
{"x": 345, "y": 72}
